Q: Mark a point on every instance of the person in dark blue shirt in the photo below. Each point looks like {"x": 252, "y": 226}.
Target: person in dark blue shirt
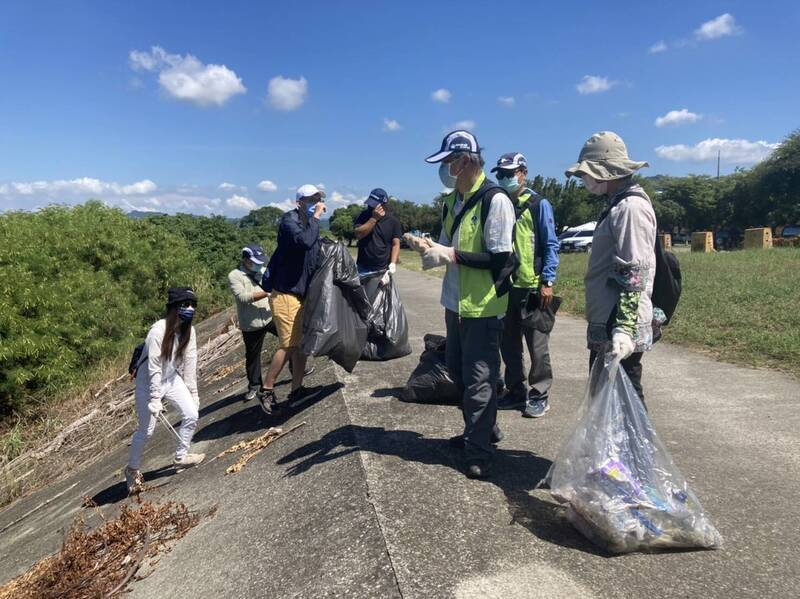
{"x": 289, "y": 271}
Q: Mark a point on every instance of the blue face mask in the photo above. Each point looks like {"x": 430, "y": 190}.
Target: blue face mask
{"x": 310, "y": 209}
{"x": 510, "y": 184}
{"x": 186, "y": 314}
{"x": 447, "y": 179}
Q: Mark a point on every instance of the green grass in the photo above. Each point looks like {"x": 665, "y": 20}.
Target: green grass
{"x": 742, "y": 307}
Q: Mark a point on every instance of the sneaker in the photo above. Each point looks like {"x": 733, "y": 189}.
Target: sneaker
{"x": 189, "y": 460}
{"x": 511, "y": 401}
{"x": 269, "y": 403}
{"x": 308, "y": 372}
{"x": 252, "y": 393}
{"x": 479, "y": 470}
{"x": 536, "y": 407}
{"x": 134, "y": 480}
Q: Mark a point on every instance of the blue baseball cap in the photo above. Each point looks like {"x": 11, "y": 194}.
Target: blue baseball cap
{"x": 255, "y": 253}
{"x": 511, "y": 162}
{"x": 377, "y": 197}
{"x": 456, "y": 141}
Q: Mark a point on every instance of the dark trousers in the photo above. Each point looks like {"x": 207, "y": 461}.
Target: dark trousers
{"x": 632, "y": 365}
{"x": 253, "y": 342}
{"x": 473, "y": 359}
{"x": 540, "y": 375}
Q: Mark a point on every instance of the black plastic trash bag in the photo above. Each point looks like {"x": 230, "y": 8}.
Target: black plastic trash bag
{"x": 622, "y": 489}
{"x": 388, "y": 326}
{"x": 532, "y": 316}
{"x": 336, "y": 308}
{"x": 430, "y": 382}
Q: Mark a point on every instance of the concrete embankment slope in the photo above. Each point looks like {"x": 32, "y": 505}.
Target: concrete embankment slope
{"x": 367, "y": 500}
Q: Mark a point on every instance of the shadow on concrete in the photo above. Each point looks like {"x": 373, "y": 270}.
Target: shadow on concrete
{"x": 119, "y": 490}
{"x": 388, "y": 392}
{"x": 516, "y": 473}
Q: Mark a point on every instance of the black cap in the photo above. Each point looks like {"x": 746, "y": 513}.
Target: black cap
{"x": 511, "y": 162}
{"x": 455, "y": 141}
{"x": 178, "y": 295}
{"x": 255, "y": 253}
{"x": 377, "y": 197}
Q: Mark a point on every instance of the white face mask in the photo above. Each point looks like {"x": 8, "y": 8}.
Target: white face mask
{"x": 597, "y": 188}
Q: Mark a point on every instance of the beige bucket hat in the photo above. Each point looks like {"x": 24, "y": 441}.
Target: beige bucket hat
{"x": 604, "y": 157}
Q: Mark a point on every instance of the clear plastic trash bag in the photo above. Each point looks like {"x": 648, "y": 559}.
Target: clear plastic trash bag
{"x": 622, "y": 489}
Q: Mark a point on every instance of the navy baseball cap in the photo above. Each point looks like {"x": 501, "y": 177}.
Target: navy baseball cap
{"x": 456, "y": 141}
{"x": 511, "y": 162}
{"x": 178, "y": 295}
{"x": 255, "y": 253}
{"x": 377, "y": 197}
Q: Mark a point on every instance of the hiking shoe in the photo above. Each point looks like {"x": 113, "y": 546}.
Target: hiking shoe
{"x": 511, "y": 401}
{"x": 269, "y": 403}
{"x": 134, "y": 480}
{"x": 457, "y": 442}
{"x": 308, "y": 372}
{"x": 479, "y": 469}
{"x": 252, "y": 393}
{"x": 189, "y": 460}
{"x": 536, "y": 407}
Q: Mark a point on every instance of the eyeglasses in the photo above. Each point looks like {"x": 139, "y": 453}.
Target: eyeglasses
{"x": 506, "y": 174}
{"x": 188, "y": 304}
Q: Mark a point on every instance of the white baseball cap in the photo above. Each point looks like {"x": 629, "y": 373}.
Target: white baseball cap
{"x": 307, "y": 191}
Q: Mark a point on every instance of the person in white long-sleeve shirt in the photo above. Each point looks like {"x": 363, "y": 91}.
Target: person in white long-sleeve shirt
{"x": 167, "y": 370}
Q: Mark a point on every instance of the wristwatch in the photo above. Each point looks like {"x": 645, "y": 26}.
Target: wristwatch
{"x": 547, "y": 283}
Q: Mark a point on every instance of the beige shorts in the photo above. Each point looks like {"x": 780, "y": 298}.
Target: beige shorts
{"x": 287, "y": 313}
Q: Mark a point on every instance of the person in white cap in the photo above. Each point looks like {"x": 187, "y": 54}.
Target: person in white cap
{"x": 290, "y": 269}
{"x": 619, "y": 278}
{"x": 476, "y": 246}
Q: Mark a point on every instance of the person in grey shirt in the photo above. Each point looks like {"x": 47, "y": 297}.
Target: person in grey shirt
{"x": 619, "y": 278}
{"x": 476, "y": 247}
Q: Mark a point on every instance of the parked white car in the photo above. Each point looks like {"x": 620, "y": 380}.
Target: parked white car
{"x": 577, "y": 239}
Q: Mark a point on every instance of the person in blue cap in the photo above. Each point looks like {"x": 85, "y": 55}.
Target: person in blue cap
{"x": 378, "y": 232}
{"x": 253, "y": 311}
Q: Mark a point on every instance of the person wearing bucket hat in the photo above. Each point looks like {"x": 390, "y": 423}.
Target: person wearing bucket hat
{"x": 378, "y": 232}
{"x": 252, "y": 309}
{"x": 167, "y": 370}
{"x": 476, "y": 247}
{"x": 536, "y": 247}
{"x": 290, "y": 270}
{"x": 619, "y": 278}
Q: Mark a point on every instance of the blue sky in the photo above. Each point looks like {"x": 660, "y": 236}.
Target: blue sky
{"x": 190, "y": 105}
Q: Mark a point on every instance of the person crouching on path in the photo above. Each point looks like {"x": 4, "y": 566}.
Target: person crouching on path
{"x": 252, "y": 309}
{"x": 378, "y": 233}
{"x": 167, "y": 371}
{"x": 619, "y": 278}
{"x": 536, "y": 247}
{"x": 290, "y": 270}
{"x": 476, "y": 245}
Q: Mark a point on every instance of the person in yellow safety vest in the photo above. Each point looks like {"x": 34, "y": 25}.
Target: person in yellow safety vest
{"x": 476, "y": 246}
{"x": 536, "y": 247}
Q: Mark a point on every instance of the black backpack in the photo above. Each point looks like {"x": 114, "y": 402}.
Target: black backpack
{"x": 668, "y": 281}
{"x": 136, "y": 360}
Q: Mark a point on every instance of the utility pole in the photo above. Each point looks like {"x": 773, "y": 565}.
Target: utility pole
{"x": 718, "y": 154}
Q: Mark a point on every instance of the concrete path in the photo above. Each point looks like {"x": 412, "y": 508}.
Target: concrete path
{"x": 367, "y": 499}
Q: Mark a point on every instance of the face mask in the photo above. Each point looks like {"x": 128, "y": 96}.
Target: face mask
{"x": 186, "y": 314}
{"x": 447, "y": 179}
{"x": 255, "y": 268}
{"x": 597, "y": 188}
{"x": 310, "y": 209}
{"x": 510, "y": 184}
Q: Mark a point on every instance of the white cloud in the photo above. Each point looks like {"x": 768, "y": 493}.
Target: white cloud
{"x": 593, "y": 84}
{"x": 678, "y": 117}
{"x": 287, "y": 94}
{"x": 266, "y": 185}
{"x": 507, "y": 101}
{"x": 441, "y": 95}
{"x": 80, "y": 186}
{"x": 659, "y": 46}
{"x": 722, "y": 26}
{"x": 238, "y": 202}
{"x": 285, "y": 205}
{"x": 338, "y": 199}
{"x": 227, "y": 185}
{"x": 187, "y": 79}
{"x": 467, "y": 124}
{"x": 735, "y": 151}
{"x": 391, "y": 125}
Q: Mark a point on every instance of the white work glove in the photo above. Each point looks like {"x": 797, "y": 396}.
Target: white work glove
{"x": 418, "y": 244}
{"x": 386, "y": 278}
{"x": 155, "y": 407}
{"x": 437, "y": 255}
{"x": 622, "y": 346}
{"x": 392, "y": 267}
